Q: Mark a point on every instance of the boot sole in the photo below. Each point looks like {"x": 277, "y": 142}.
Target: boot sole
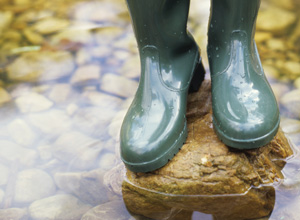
{"x": 246, "y": 143}
{"x": 163, "y": 159}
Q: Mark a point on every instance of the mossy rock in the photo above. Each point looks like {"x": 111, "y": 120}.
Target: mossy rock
{"x": 207, "y": 176}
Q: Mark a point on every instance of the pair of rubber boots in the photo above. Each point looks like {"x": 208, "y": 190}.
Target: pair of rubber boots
{"x": 245, "y": 112}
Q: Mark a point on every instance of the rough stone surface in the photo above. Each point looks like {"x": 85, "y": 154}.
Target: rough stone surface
{"x": 87, "y": 186}
{"x": 205, "y": 167}
{"x": 32, "y": 185}
{"x": 58, "y": 207}
{"x": 41, "y": 65}
{"x": 14, "y": 214}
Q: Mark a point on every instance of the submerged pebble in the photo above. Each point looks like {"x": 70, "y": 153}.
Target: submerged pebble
{"x": 32, "y": 185}
{"x": 58, "y": 207}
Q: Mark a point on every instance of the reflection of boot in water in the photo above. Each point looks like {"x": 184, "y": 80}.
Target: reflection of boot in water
{"x": 154, "y": 128}
{"x": 245, "y": 112}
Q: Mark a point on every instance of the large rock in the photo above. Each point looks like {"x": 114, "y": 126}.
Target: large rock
{"x": 207, "y": 176}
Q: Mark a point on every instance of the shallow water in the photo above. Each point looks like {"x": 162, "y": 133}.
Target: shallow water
{"x": 68, "y": 72}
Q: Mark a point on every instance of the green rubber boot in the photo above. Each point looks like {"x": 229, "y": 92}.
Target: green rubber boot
{"x": 155, "y": 128}
{"x": 245, "y": 112}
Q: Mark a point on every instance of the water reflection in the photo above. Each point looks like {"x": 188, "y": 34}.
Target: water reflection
{"x": 68, "y": 72}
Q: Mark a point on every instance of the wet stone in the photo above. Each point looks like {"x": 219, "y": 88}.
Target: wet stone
{"x": 116, "y": 123}
{"x": 87, "y": 186}
{"x": 53, "y": 123}
{"x": 41, "y": 66}
{"x": 1, "y": 196}
{"x": 61, "y": 93}
{"x": 112, "y": 210}
{"x": 4, "y": 96}
{"x": 297, "y": 83}
{"x": 119, "y": 85}
{"x": 107, "y": 161}
{"x": 276, "y": 44}
{"x": 14, "y": 214}
{"x": 45, "y": 152}
{"x": 83, "y": 57}
{"x": 5, "y": 20}
{"x": 292, "y": 69}
{"x": 262, "y": 36}
{"x": 86, "y": 75}
{"x": 103, "y": 11}
{"x": 82, "y": 36}
{"x": 291, "y": 102}
{"x": 275, "y": 20}
{"x": 21, "y": 132}
{"x": 33, "y": 37}
{"x": 4, "y": 173}
{"x": 93, "y": 120}
{"x": 102, "y": 100}
{"x": 32, "y": 185}
{"x": 33, "y": 102}
{"x": 107, "y": 35}
{"x": 77, "y": 149}
{"x": 58, "y": 207}
{"x": 50, "y": 25}
{"x": 205, "y": 167}
{"x": 13, "y": 152}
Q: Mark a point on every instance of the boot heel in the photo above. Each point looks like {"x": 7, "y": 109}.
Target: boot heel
{"x": 198, "y": 77}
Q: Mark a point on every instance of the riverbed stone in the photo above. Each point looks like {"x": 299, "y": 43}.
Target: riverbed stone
{"x": 1, "y": 196}
{"x": 297, "y": 83}
{"x": 58, "y": 207}
{"x": 61, "y": 93}
{"x": 112, "y": 210}
{"x": 33, "y": 102}
{"x": 87, "y": 186}
{"x": 4, "y": 96}
{"x": 33, "y": 37}
{"x": 93, "y": 120}
{"x": 102, "y": 100}
{"x": 6, "y": 18}
{"x": 41, "y": 66}
{"x": 82, "y": 36}
{"x": 77, "y": 149}
{"x": 53, "y": 122}
{"x": 275, "y": 20}
{"x": 292, "y": 69}
{"x": 86, "y": 75}
{"x": 119, "y": 85}
{"x": 4, "y": 174}
{"x": 204, "y": 168}
{"x": 50, "y": 25}
{"x": 14, "y": 214}
{"x": 12, "y": 152}
{"x": 33, "y": 184}
{"x": 291, "y": 102}
{"x": 22, "y": 133}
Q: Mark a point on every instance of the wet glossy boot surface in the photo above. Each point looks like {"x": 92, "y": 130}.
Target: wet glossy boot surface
{"x": 154, "y": 128}
{"x": 245, "y": 112}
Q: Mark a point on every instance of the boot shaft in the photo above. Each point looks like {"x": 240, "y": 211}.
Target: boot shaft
{"x": 160, "y": 23}
{"x": 233, "y": 15}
